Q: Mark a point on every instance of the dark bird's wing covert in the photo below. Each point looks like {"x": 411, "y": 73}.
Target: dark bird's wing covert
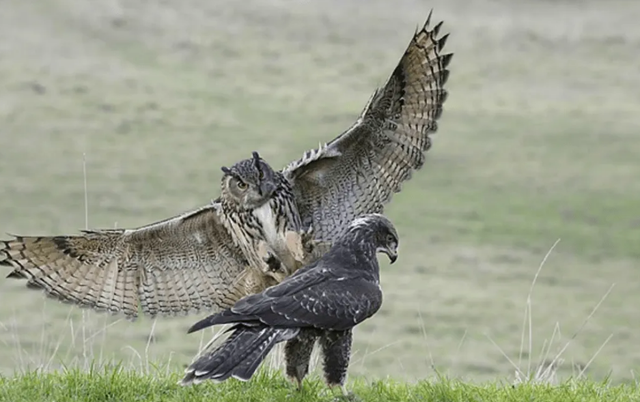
{"x": 320, "y": 298}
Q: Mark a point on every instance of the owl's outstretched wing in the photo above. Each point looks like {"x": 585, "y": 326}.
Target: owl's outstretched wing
{"x": 182, "y": 264}
{"x": 360, "y": 170}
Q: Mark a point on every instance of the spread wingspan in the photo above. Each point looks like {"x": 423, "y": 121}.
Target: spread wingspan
{"x": 360, "y": 170}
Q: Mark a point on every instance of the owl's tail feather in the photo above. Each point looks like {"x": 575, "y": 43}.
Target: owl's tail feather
{"x": 239, "y": 356}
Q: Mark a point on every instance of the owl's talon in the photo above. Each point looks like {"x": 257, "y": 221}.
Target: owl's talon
{"x": 309, "y": 246}
{"x": 308, "y": 242}
{"x": 272, "y": 262}
{"x": 309, "y": 232}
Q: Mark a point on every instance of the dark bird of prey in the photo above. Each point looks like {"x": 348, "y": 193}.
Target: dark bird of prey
{"x": 325, "y": 299}
{"x": 265, "y": 225}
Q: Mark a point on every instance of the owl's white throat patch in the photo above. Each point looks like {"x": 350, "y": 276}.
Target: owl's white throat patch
{"x": 267, "y": 218}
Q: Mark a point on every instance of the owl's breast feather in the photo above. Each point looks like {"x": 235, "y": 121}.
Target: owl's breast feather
{"x": 267, "y": 219}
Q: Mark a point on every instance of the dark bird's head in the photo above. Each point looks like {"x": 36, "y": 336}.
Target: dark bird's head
{"x": 378, "y": 229}
{"x": 249, "y": 183}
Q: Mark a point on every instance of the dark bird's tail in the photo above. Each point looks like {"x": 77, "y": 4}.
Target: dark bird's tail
{"x": 239, "y": 356}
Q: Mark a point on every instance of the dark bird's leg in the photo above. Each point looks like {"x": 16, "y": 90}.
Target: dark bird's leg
{"x": 297, "y": 354}
{"x": 336, "y": 348}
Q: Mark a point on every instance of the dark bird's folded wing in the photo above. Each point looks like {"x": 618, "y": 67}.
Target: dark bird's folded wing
{"x": 320, "y": 298}
{"x": 359, "y": 171}
{"x": 335, "y": 305}
{"x": 183, "y": 264}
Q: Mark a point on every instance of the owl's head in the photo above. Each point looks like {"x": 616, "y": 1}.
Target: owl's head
{"x": 249, "y": 183}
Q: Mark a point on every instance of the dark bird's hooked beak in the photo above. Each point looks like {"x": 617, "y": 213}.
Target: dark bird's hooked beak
{"x": 392, "y": 253}
{"x": 392, "y": 257}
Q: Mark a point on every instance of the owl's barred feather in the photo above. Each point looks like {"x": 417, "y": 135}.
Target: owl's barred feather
{"x": 172, "y": 267}
{"x": 209, "y": 258}
{"x": 359, "y": 171}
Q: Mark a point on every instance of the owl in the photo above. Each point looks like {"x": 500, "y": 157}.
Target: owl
{"x": 265, "y": 224}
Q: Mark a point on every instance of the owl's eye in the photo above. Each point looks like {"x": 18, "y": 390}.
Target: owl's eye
{"x": 261, "y": 175}
{"x": 242, "y": 185}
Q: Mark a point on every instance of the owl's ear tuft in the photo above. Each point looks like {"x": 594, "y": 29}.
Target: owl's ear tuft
{"x": 256, "y": 161}
{"x": 226, "y": 170}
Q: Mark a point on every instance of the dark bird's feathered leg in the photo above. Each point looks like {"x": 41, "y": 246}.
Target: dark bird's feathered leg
{"x": 297, "y": 355}
{"x": 336, "y": 348}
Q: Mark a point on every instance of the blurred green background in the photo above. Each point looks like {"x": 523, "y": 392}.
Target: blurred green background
{"x": 539, "y": 141}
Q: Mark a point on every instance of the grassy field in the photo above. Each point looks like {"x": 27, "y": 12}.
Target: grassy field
{"x": 118, "y": 385}
{"x": 539, "y": 141}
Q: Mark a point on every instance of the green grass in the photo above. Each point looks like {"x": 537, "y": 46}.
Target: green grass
{"x": 538, "y": 141}
{"x": 118, "y": 385}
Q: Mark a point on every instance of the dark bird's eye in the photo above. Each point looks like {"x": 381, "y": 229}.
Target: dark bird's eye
{"x": 242, "y": 185}
{"x": 390, "y": 238}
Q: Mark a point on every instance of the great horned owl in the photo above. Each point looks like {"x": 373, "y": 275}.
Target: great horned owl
{"x": 265, "y": 224}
